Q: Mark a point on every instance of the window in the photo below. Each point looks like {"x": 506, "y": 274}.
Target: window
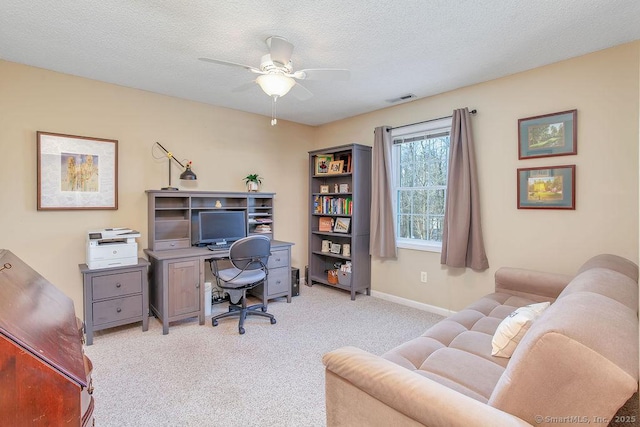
{"x": 420, "y": 166}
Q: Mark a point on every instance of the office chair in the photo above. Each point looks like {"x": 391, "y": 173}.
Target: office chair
{"x": 248, "y": 257}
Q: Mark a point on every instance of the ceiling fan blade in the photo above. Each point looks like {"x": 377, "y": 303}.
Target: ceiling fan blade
{"x": 244, "y": 87}
{"x": 233, "y": 64}
{"x": 300, "y": 92}
{"x": 322, "y": 74}
{"x": 280, "y": 50}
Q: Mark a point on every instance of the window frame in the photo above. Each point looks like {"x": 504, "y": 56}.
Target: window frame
{"x": 431, "y": 127}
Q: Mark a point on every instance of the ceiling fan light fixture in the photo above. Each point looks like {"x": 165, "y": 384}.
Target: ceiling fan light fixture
{"x": 275, "y": 84}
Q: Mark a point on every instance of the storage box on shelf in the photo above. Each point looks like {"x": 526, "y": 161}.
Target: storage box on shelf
{"x": 339, "y": 206}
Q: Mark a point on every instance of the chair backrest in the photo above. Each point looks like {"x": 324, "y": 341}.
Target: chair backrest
{"x": 250, "y": 253}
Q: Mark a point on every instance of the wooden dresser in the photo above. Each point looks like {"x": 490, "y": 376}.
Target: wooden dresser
{"x": 45, "y": 377}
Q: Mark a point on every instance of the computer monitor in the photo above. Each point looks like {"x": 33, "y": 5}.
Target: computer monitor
{"x": 219, "y": 227}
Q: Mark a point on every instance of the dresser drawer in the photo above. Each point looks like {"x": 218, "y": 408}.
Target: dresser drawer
{"x": 115, "y": 285}
{"x": 278, "y": 259}
{"x": 117, "y": 309}
{"x": 278, "y": 281}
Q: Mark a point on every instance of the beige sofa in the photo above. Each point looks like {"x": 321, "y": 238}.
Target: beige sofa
{"x": 577, "y": 362}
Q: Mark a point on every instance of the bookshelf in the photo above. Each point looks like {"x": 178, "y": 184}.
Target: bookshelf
{"x": 339, "y": 210}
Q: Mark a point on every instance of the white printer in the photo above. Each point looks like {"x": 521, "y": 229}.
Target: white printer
{"x": 112, "y": 247}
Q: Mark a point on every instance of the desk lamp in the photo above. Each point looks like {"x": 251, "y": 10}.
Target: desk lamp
{"x": 186, "y": 175}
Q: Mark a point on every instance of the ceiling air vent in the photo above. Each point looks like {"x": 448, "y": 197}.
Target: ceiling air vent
{"x": 402, "y": 98}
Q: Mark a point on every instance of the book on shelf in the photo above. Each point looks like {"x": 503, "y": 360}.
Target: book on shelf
{"x": 325, "y": 224}
{"x": 330, "y": 205}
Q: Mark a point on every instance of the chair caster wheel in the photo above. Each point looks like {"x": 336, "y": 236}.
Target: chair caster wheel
{"x": 273, "y": 321}
{"x": 264, "y": 309}
{"x": 214, "y": 322}
{"x": 241, "y": 330}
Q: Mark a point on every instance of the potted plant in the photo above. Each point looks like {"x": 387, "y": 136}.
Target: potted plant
{"x": 253, "y": 182}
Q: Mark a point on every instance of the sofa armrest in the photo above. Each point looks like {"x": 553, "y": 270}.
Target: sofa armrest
{"x": 530, "y": 283}
{"x": 406, "y": 392}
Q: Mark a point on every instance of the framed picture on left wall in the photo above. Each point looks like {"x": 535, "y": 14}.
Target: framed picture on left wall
{"x": 76, "y": 172}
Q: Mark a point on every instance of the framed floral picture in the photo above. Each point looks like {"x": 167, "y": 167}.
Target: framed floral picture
{"x": 76, "y": 172}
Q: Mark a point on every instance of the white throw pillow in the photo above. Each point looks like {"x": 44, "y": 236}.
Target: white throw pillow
{"x": 513, "y": 327}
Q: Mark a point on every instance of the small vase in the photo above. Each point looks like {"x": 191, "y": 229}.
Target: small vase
{"x": 252, "y": 186}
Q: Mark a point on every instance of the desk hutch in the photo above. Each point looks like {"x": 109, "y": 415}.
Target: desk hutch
{"x": 177, "y": 274}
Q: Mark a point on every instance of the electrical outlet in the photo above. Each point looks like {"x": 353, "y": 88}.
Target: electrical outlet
{"x": 423, "y": 276}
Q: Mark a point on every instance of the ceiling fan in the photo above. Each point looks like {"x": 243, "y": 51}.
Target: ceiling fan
{"x": 276, "y": 76}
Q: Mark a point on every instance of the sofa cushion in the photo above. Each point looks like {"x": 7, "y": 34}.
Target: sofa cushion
{"x": 611, "y": 262}
{"x": 608, "y": 283}
{"x": 513, "y": 327}
{"x": 456, "y": 351}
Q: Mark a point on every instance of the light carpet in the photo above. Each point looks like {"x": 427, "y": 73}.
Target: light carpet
{"x": 271, "y": 376}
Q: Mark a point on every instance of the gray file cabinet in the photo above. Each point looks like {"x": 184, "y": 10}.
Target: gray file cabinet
{"x": 115, "y": 296}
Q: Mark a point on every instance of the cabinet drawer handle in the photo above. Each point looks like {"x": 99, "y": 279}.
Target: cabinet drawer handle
{"x": 278, "y": 259}
{"x": 197, "y": 285}
{"x": 118, "y": 285}
{"x": 118, "y": 309}
{"x": 90, "y": 388}
{"x": 278, "y": 282}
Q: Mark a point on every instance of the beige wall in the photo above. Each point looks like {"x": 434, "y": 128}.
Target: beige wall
{"x": 225, "y": 145}
{"x": 603, "y": 87}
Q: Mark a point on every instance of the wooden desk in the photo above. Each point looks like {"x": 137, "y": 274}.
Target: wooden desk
{"x": 176, "y": 281}
{"x": 45, "y": 377}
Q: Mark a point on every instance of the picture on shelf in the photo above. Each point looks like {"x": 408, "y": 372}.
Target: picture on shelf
{"x": 342, "y": 225}
{"x": 346, "y": 158}
{"x": 324, "y": 189}
{"x": 343, "y": 188}
{"x": 336, "y": 166}
{"x": 322, "y": 163}
{"x": 325, "y": 223}
{"x": 335, "y": 248}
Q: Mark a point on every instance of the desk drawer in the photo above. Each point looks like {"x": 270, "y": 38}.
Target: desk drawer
{"x": 278, "y": 259}
{"x": 278, "y": 281}
{"x": 115, "y": 285}
{"x": 117, "y": 309}
{"x": 171, "y": 244}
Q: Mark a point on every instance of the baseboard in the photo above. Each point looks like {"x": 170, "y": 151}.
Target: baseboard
{"x": 413, "y": 304}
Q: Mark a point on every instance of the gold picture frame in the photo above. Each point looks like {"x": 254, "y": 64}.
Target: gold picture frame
{"x": 335, "y": 167}
{"x": 322, "y": 162}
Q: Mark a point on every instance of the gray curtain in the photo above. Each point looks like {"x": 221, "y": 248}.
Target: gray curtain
{"x": 462, "y": 242}
{"x": 382, "y": 232}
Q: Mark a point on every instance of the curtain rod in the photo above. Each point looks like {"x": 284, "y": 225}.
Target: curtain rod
{"x": 427, "y": 121}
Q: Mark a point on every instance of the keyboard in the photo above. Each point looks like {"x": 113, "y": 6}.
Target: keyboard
{"x": 224, "y": 247}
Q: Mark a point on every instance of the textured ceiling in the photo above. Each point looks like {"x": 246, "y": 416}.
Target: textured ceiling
{"x": 424, "y": 47}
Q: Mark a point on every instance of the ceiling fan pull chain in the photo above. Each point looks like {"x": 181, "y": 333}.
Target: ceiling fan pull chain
{"x": 274, "y": 121}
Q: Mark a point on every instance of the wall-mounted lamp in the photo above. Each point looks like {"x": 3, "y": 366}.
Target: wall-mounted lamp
{"x": 186, "y": 175}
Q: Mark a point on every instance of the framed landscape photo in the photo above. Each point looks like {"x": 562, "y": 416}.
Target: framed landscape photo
{"x": 342, "y": 225}
{"x": 336, "y": 166}
{"x": 548, "y": 135}
{"x": 76, "y": 172}
{"x": 322, "y": 163}
{"x": 552, "y": 187}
